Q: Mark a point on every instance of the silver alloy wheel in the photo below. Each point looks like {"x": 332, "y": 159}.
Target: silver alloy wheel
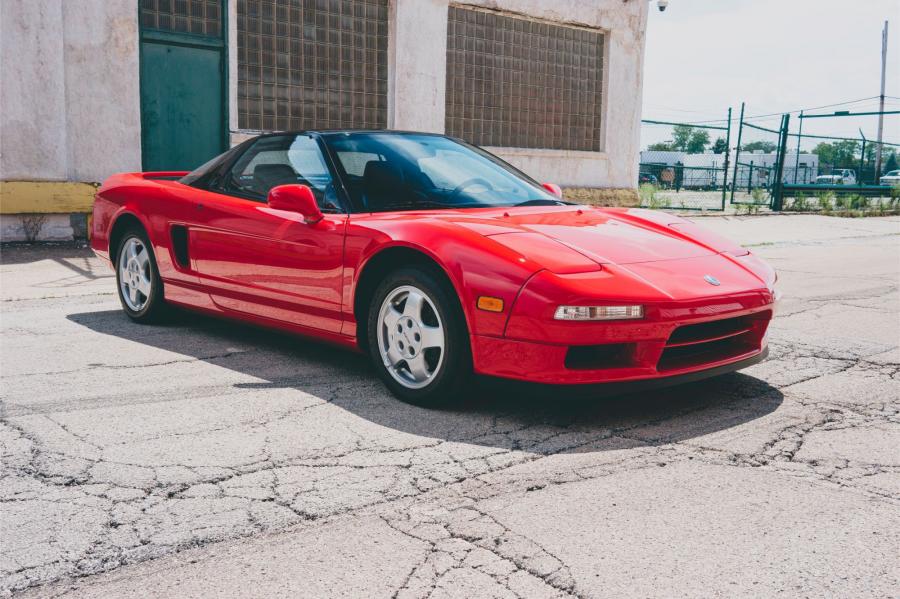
{"x": 135, "y": 280}
{"x": 410, "y": 337}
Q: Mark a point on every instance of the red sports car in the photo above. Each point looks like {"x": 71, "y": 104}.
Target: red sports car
{"x": 436, "y": 258}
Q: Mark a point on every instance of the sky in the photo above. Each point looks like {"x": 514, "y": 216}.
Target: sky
{"x": 703, "y": 56}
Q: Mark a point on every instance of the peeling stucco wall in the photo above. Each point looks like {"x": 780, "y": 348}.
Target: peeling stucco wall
{"x": 417, "y": 55}
{"x": 70, "y": 93}
{"x": 70, "y": 98}
{"x": 32, "y": 96}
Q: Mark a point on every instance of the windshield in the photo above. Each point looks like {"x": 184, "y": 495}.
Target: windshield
{"x": 390, "y": 171}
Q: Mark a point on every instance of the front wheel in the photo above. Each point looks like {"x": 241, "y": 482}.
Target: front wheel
{"x": 418, "y": 338}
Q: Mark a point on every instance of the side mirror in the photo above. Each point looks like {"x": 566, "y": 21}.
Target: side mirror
{"x": 296, "y": 198}
{"x": 554, "y": 189}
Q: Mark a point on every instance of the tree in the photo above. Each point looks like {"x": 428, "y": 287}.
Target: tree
{"x": 890, "y": 163}
{"x": 689, "y": 139}
{"x": 698, "y": 142}
{"x": 681, "y": 135}
{"x": 765, "y": 146}
{"x": 840, "y": 154}
{"x": 684, "y": 139}
{"x": 720, "y": 146}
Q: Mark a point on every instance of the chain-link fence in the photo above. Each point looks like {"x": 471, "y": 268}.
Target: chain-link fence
{"x": 693, "y": 166}
{"x": 758, "y": 162}
{"x": 683, "y": 165}
{"x": 845, "y": 176}
{"x": 851, "y": 160}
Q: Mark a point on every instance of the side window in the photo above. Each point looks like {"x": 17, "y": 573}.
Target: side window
{"x": 281, "y": 160}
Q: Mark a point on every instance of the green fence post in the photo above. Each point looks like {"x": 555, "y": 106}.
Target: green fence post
{"x": 750, "y": 178}
{"x": 797, "y": 161}
{"x": 727, "y": 154}
{"x": 778, "y": 196}
{"x": 737, "y": 152}
{"x": 862, "y": 161}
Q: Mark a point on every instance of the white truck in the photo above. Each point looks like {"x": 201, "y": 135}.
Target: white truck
{"x": 844, "y": 176}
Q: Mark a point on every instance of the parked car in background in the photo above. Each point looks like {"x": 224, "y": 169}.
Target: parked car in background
{"x": 891, "y": 178}
{"x": 647, "y": 178}
{"x": 839, "y": 177}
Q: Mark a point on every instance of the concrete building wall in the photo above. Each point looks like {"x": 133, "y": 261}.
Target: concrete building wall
{"x": 69, "y": 109}
{"x": 101, "y": 42}
{"x": 417, "y": 70}
{"x": 418, "y": 55}
{"x": 70, "y": 95}
{"x": 32, "y": 94}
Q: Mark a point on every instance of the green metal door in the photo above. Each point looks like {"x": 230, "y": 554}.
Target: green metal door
{"x": 181, "y": 106}
{"x": 184, "y": 110}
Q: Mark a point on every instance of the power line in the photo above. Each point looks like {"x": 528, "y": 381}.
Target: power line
{"x": 778, "y": 114}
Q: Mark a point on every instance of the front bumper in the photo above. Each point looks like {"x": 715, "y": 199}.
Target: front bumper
{"x": 547, "y": 363}
{"x": 609, "y": 388}
{"x": 685, "y": 328}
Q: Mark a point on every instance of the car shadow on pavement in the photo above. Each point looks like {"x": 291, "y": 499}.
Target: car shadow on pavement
{"x": 492, "y": 409}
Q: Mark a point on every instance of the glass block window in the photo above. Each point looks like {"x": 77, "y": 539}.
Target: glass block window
{"x": 200, "y": 17}
{"x": 312, "y": 64}
{"x": 513, "y": 82}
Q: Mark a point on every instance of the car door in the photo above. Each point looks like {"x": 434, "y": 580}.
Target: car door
{"x": 266, "y": 262}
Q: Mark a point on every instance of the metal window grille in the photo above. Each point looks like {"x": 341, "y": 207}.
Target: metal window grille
{"x": 312, "y": 64}
{"x": 199, "y": 17}
{"x": 513, "y": 82}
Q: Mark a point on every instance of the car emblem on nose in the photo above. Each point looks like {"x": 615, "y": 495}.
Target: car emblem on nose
{"x": 711, "y": 280}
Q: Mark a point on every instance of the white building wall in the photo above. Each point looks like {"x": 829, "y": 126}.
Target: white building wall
{"x": 70, "y": 93}
{"x": 418, "y": 62}
{"x": 70, "y": 97}
{"x": 32, "y": 94}
{"x": 103, "y": 105}
{"x": 417, "y": 65}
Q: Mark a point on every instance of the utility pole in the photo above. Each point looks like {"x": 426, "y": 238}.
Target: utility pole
{"x": 884, "y": 41}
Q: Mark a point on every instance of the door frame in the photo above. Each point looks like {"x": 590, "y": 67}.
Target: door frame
{"x": 189, "y": 40}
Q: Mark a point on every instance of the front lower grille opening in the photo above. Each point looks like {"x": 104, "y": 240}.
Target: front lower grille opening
{"x": 710, "y": 330}
{"x": 686, "y": 356}
{"x": 597, "y": 357}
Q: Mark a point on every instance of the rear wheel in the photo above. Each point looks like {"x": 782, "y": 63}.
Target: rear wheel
{"x": 418, "y": 338}
{"x": 137, "y": 278}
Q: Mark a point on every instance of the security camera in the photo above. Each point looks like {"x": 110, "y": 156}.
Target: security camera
{"x": 662, "y": 4}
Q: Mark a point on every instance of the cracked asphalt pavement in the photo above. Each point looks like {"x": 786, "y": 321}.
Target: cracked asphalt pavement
{"x": 205, "y": 458}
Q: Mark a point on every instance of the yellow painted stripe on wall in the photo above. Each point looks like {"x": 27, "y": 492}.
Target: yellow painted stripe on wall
{"x": 46, "y": 197}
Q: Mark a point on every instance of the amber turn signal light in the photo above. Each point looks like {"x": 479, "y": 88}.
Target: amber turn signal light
{"x": 490, "y": 304}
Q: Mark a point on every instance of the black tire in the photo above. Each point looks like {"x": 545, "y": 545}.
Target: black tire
{"x": 154, "y": 309}
{"x": 455, "y": 369}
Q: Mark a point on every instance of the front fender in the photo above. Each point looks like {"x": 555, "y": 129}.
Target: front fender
{"x": 475, "y": 265}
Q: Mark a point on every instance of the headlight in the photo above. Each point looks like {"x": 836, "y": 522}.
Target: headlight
{"x": 599, "y": 312}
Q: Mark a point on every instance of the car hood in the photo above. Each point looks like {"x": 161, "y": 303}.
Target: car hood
{"x": 602, "y": 236}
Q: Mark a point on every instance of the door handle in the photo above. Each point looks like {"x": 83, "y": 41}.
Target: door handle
{"x": 199, "y": 206}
